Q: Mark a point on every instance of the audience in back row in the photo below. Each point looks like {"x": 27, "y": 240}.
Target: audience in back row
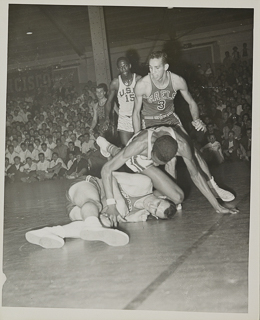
{"x": 52, "y": 134}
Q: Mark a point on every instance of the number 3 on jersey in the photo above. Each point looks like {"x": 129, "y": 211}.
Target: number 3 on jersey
{"x": 161, "y": 105}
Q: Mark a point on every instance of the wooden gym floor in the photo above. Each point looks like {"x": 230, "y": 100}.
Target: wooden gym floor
{"x": 198, "y": 261}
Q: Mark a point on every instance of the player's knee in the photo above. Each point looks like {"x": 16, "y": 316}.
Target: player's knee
{"x": 75, "y": 214}
{"x": 179, "y": 197}
{"x": 90, "y": 208}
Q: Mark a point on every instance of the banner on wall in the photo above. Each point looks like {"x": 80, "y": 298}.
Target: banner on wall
{"x": 21, "y": 82}
{"x": 28, "y": 81}
{"x": 66, "y": 76}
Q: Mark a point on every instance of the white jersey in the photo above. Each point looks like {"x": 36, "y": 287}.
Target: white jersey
{"x": 126, "y": 97}
{"x": 140, "y": 163}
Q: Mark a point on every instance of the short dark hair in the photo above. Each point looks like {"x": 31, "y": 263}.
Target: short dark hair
{"x": 102, "y": 86}
{"x": 122, "y": 59}
{"x": 165, "y": 148}
{"x": 170, "y": 211}
{"x": 78, "y": 153}
{"x": 158, "y": 55}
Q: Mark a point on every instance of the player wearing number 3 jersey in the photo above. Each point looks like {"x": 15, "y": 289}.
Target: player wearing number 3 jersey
{"x": 123, "y": 87}
{"x": 158, "y": 107}
{"x": 156, "y": 92}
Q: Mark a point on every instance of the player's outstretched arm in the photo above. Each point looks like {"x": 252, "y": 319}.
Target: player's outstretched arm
{"x": 95, "y": 118}
{"x": 200, "y": 181}
{"x": 112, "y": 92}
{"x": 139, "y": 92}
{"x": 112, "y": 165}
{"x": 194, "y": 110}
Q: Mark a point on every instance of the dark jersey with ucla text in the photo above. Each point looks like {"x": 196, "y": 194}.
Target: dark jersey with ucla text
{"x": 158, "y": 108}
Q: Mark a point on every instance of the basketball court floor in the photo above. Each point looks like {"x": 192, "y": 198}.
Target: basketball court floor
{"x": 195, "y": 262}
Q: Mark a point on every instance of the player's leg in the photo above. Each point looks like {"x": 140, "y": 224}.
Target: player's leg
{"x": 107, "y": 149}
{"x": 89, "y": 229}
{"x": 134, "y": 184}
{"x": 53, "y": 237}
{"x": 86, "y": 196}
{"x": 165, "y": 184}
{"x": 125, "y": 136}
{"x": 93, "y": 230}
{"x": 125, "y": 128}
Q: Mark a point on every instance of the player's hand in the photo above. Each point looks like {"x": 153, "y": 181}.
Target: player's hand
{"x": 112, "y": 214}
{"x": 221, "y": 209}
{"x": 121, "y": 219}
{"x": 199, "y": 125}
{"x": 105, "y": 125}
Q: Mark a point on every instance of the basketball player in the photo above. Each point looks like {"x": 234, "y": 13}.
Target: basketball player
{"x": 123, "y": 86}
{"x": 99, "y": 106}
{"x": 87, "y": 209}
{"x": 156, "y": 92}
{"x": 157, "y": 146}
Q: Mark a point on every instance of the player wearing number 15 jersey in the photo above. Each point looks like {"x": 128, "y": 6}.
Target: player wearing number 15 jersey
{"x": 123, "y": 87}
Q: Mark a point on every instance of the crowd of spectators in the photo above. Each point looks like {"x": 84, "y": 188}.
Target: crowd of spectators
{"x": 51, "y": 134}
{"x": 224, "y": 97}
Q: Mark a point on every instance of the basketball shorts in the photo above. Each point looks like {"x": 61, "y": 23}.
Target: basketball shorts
{"x": 125, "y": 123}
{"x": 83, "y": 190}
{"x": 172, "y": 120}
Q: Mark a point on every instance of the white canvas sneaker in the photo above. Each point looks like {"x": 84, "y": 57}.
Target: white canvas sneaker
{"x": 103, "y": 144}
{"x": 112, "y": 237}
{"x": 44, "y": 238}
{"x": 223, "y": 194}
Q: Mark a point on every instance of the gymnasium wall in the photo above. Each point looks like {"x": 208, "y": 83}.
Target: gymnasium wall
{"x": 206, "y": 46}
{"x": 199, "y": 46}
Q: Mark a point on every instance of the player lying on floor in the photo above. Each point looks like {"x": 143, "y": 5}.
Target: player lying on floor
{"x": 159, "y": 146}
{"x": 135, "y": 201}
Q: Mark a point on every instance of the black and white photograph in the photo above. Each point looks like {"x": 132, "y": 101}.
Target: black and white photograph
{"x": 130, "y": 187}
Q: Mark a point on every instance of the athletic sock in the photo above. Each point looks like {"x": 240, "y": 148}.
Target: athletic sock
{"x": 72, "y": 230}
{"x": 92, "y": 222}
{"x": 58, "y": 231}
{"x": 94, "y": 231}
